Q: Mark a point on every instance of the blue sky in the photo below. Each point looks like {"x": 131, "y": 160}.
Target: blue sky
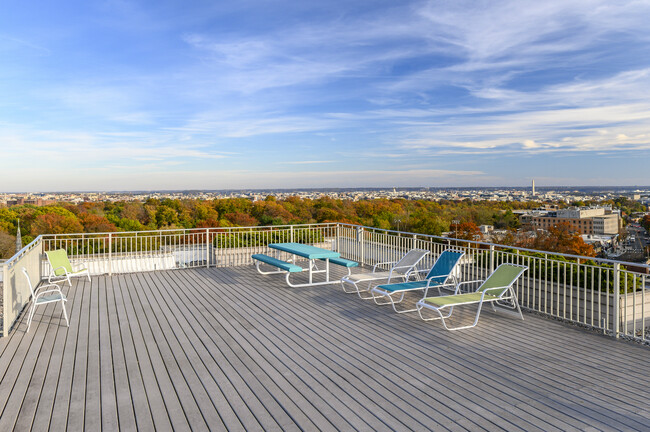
{"x": 122, "y": 95}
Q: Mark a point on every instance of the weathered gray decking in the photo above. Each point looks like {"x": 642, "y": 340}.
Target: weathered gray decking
{"x": 230, "y": 349}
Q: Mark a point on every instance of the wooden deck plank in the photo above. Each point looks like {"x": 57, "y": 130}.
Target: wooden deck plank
{"x": 144, "y": 404}
{"x": 227, "y": 348}
{"x": 108, "y": 371}
{"x": 262, "y": 403}
{"x": 39, "y": 374}
{"x": 171, "y": 370}
{"x": 79, "y": 364}
{"x": 224, "y": 375}
{"x": 198, "y": 346}
{"x": 398, "y": 335}
{"x": 154, "y": 373}
{"x": 314, "y": 418}
{"x": 43, "y": 410}
{"x": 200, "y": 405}
{"x": 313, "y": 363}
{"x": 118, "y": 392}
{"x": 360, "y": 359}
{"x": 61, "y": 406}
{"x": 30, "y": 376}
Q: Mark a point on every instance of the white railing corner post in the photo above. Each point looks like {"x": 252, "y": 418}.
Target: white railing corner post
{"x": 415, "y": 241}
{"x": 110, "y": 254}
{"x": 491, "y": 258}
{"x": 616, "y": 324}
{"x": 41, "y": 252}
{"x": 338, "y": 238}
{"x": 6, "y": 286}
{"x": 207, "y": 248}
{"x": 360, "y": 243}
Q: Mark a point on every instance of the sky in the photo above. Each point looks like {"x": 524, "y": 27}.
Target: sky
{"x": 151, "y": 95}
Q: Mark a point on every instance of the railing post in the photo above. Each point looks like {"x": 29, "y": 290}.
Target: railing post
{"x": 415, "y": 238}
{"x": 110, "y": 254}
{"x": 207, "y": 248}
{"x": 338, "y": 238}
{"x": 617, "y": 300}
{"x": 491, "y": 259}
{"x": 360, "y": 243}
{"x": 6, "y": 285}
{"x": 291, "y": 233}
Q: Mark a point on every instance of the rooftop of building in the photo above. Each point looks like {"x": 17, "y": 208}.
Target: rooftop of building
{"x": 227, "y": 348}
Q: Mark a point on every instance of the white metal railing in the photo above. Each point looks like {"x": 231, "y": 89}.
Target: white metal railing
{"x": 15, "y": 290}
{"x": 123, "y": 252}
{"x": 573, "y": 288}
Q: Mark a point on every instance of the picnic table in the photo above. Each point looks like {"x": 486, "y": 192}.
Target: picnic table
{"x": 312, "y": 253}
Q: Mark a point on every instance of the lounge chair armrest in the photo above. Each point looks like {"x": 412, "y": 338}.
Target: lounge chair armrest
{"x": 62, "y": 268}
{"x": 382, "y": 263}
{"x": 48, "y": 285}
{"x": 458, "y": 286}
{"x": 433, "y": 279}
{"x": 58, "y": 290}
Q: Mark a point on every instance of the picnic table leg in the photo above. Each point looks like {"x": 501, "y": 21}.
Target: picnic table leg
{"x": 327, "y": 270}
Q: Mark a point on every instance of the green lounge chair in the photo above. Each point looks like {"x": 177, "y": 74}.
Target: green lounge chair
{"x": 62, "y": 268}
{"x": 441, "y": 275}
{"x": 495, "y": 289}
{"x": 400, "y": 270}
{"x": 44, "y": 294}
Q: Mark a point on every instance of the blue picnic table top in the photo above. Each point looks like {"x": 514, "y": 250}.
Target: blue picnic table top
{"x": 306, "y": 251}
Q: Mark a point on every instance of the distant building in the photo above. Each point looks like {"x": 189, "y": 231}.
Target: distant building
{"x": 584, "y": 220}
{"x": 38, "y": 202}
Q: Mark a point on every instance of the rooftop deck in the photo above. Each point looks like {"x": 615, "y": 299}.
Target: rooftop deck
{"x": 227, "y": 348}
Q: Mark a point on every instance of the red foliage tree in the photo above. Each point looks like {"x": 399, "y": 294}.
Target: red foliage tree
{"x": 52, "y": 223}
{"x": 95, "y": 224}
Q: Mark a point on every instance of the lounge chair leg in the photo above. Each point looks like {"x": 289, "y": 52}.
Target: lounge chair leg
{"x": 419, "y": 308}
{"x": 516, "y": 302}
{"x": 30, "y": 316}
{"x": 65, "y": 314}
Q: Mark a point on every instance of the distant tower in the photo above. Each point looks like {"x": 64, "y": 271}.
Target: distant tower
{"x": 533, "y": 186}
{"x": 19, "y": 239}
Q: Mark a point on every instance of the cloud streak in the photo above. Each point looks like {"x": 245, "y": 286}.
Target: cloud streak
{"x": 259, "y": 84}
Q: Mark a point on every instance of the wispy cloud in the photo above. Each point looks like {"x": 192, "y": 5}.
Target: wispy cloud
{"x": 309, "y": 162}
{"x": 419, "y": 83}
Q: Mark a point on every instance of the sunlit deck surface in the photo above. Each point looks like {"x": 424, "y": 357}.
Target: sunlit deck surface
{"x": 227, "y": 348}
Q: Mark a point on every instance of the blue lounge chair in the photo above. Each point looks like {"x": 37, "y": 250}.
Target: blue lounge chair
{"x": 441, "y": 275}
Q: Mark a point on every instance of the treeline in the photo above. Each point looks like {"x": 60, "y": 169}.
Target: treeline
{"x": 426, "y": 217}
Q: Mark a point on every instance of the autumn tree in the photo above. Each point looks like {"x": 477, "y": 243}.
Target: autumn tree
{"x": 560, "y": 238}
{"x": 52, "y": 223}
{"x": 241, "y": 219}
{"x": 466, "y": 231}
{"x": 7, "y": 245}
{"x": 645, "y": 222}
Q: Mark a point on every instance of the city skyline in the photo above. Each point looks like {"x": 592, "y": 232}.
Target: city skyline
{"x": 255, "y": 95}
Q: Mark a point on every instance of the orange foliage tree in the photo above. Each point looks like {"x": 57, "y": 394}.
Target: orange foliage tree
{"x": 51, "y": 223}
{"x": 559, "y": 238}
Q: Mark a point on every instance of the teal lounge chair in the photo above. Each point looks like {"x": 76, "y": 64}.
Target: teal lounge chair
{"x": 62, "y": 268}
{"x": 400, "y": 270}
{"x": 496, "y": 289}
{"x": 441, "y": 275}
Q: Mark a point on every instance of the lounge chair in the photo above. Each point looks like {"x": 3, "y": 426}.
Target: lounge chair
{"x": 51, "y": 294}
{"x": 497, "y": 288}
{"x": 400, "y": 270}
{"x": 62, "y": 268}
{"x": 440, "y": 276}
